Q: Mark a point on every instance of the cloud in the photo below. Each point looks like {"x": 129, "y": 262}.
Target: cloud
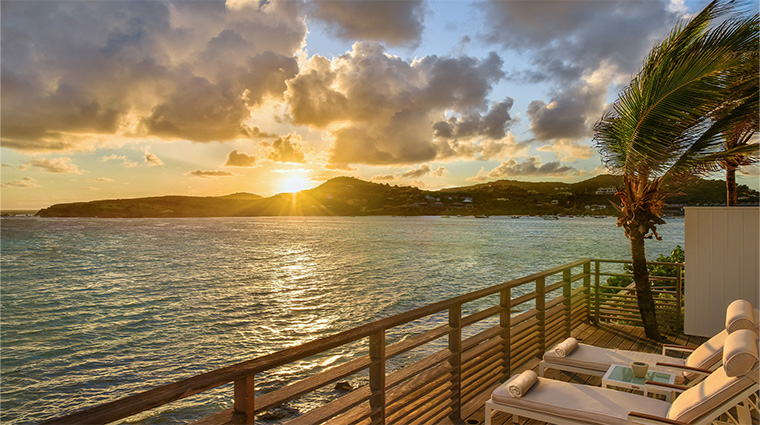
{"x": 25, "y": 182}
{"x": 481, "y": 176}
{"x": 750, "y": 170}
{"x": 392, "y": 22}
{"x": 174, "y": 69}
{"x": 152, "y": 160}
{"x": 103, "y": 179}
{"x": 492, "y": 125}
{"x": 239, "y": 159}
{"x": 417, "y": 172}
{"x": 289, "y": 148}
{"x": 570, "y": 38}
{"x": 568, "y": 150}
{"x": 61, "y": 165}
{"x": 440, "y": 171}
{"x": 208, "y": 174}
{"x": 127, "y": 163}
{"x": 578, "y": 47}
{"x": 256, "y": 133}
{"x": 383, "y": 177}
{"x": 573, "y": 109}
{"x": 530, "y": 167}
{"x": 379, "y": 109}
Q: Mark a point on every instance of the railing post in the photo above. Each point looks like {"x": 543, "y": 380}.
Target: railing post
{"x": 245, "y": 400}
{"x": 587, "y": 287}
{"x": 596, "y": 291}
{"x": 679, "y": 299}
{"x": 541, "y": 315}
{"x": 505, "y": 322}
{"x": 455, "y": 361}
{"x": 377, "y": 377}
{"x": 566, "y": 301}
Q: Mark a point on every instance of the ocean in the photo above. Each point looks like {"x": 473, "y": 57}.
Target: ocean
{"x": 96, "y": 309}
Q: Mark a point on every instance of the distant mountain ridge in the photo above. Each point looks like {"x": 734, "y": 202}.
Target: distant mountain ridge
{"x": 352, "y": 196}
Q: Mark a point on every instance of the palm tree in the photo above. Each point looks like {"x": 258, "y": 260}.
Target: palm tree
{"x": 663, "y": 126}
{"x": 744, "y": 102}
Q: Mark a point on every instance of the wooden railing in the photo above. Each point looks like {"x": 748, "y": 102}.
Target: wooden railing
{"x": 612, "y": 303}
{"x": 479, "y": 341}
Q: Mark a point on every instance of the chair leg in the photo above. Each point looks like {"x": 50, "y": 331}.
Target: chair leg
{"x": 488, "y": 414}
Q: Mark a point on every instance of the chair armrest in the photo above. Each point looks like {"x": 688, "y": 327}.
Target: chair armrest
{"x": 673, "y": 347}
{"x": 674, "y": 387}
{"x": 643, "y": 418}
{"x": 685, "y": 368}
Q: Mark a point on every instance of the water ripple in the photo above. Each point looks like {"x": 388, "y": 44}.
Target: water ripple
{"x": 96, "y": 309}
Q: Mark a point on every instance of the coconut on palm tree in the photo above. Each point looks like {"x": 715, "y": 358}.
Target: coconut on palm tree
{"x": 664, "y": 125}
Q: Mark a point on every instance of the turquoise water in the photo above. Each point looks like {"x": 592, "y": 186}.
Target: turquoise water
{"x": 96, "y": 309}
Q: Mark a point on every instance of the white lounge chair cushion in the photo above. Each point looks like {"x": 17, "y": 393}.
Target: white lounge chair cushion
{"x": 599, "y": 359}
{"x": 739, "y": 315}
{"x": 707, "y": 354}
{"x": 740, "y": 353}
{"x": 700, "y": 399}
{"x": 584, "y": 403}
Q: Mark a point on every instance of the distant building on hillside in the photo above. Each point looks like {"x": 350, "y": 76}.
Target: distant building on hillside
{"x": 609, "y": 190}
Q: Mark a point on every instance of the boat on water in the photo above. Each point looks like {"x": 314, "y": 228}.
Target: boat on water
{"x": 551, "y": 217}
{"x": 516, "y": 216}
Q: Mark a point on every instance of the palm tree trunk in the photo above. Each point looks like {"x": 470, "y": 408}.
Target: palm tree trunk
{"x": 731, "y": 195}
{"x": 643, "y": 289}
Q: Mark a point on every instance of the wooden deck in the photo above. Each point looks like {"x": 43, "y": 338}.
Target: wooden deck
{"x": 604, "y": 335}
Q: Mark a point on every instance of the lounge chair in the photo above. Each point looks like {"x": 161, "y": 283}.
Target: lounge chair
{"x": 730, "y": 386}
{"x": 592, "y": 360}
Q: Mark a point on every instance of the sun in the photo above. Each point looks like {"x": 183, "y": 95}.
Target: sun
{"x": 294, "y": 184}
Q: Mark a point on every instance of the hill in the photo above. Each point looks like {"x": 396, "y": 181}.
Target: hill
{"x": 351, "y": 196}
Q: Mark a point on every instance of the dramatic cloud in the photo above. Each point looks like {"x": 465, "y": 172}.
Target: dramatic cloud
{"x": 61, "y": 165}
{"x": 418, "y": 172}
{"x": 530, "y": 167}
{"x": 581, "y": 48}
{"x": 239, "y": 159}
{"x": 190, "y": 70}
{"x": 571, "y": 38}
{"x": 568, "y": 150}
{"x": 392, "y": 22}
{"x": 440, "y": 171}
{"x": 152, "y": 160}
{"x": 384, "y": 177}
{"x": 493, "y": 124}
{"x": 481, "y": 176}
{"x": 25, "y": 182}
{"x": 207, "y": 174}
{"x": 574, "y": 109}
{"x": 381, "y": 110}
{"x": 124, "y": 160}
{"x": 287, "y": 149}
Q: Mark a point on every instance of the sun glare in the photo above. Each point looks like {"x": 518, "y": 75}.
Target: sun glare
{"x": 294, "y": 184}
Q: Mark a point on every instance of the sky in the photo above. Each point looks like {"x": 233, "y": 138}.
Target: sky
{"x": 123, "y": 99}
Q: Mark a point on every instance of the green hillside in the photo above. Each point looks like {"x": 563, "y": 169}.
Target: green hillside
{"x": 351, "y": 196}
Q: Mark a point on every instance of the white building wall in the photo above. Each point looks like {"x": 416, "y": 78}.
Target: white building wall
{"x": 722, "y": 258}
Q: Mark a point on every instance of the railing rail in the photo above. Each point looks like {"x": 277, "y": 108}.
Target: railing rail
{"x": 545, "y": 308}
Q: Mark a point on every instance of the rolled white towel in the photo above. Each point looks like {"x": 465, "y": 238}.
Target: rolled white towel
{"x": 520, "y": 384}
{"x": 565, "y": 347}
